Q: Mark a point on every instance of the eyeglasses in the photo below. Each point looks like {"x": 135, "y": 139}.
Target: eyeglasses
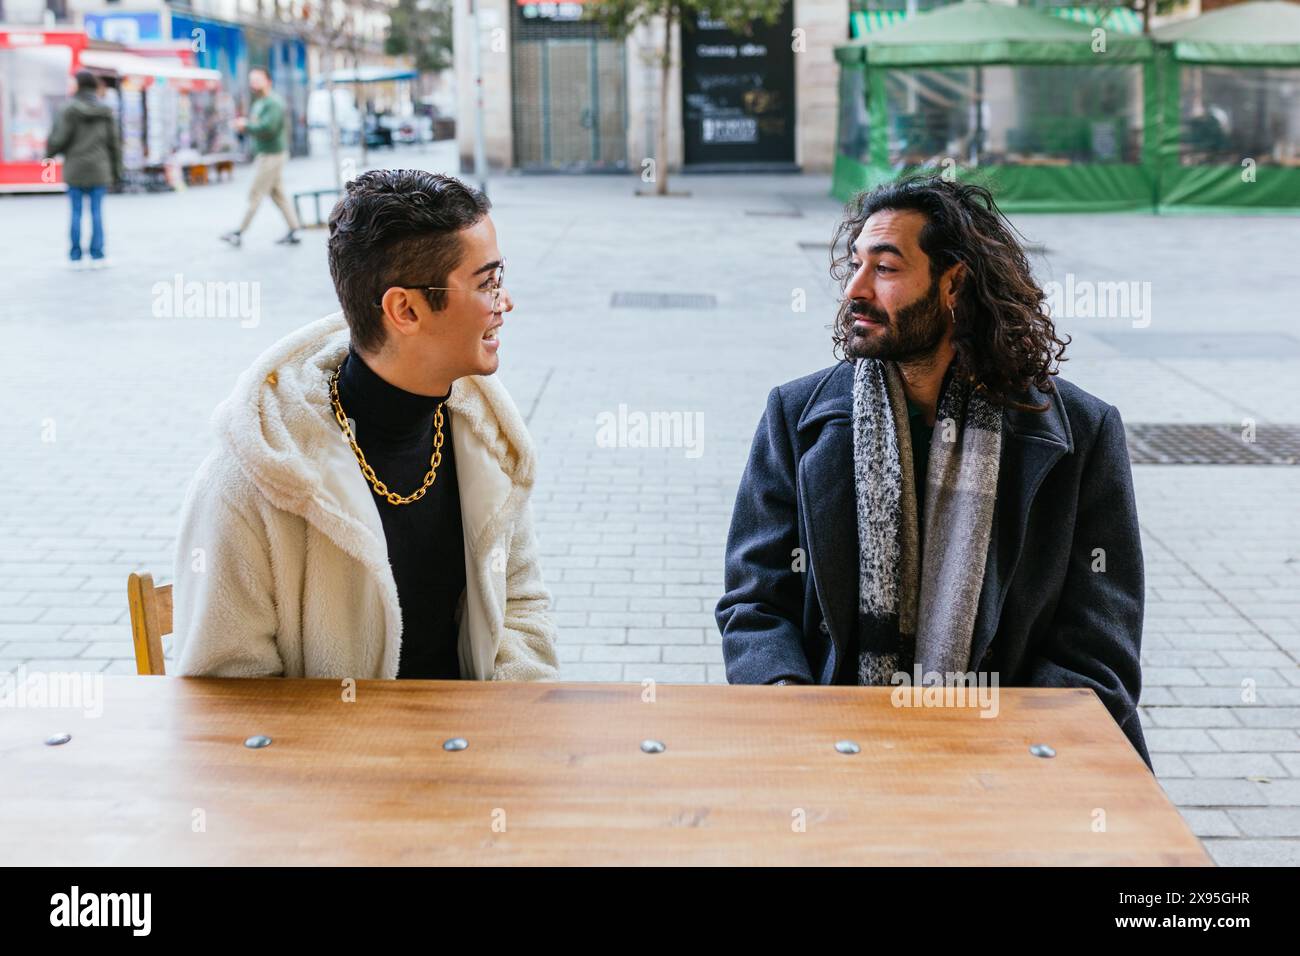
{"x": 495, "y": 288}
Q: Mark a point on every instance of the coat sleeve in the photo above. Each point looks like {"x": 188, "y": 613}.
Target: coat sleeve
{"x": 761, "y": 612}
{"x": 59, "y": 135}
{"x": 224, "y": 619}
{"x": 115, "y": 150}
{"x": 1096, "y": 636}
{"x": 527, "y": 649}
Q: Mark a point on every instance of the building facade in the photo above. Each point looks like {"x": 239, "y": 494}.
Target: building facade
{"x": 287, "y": 37}
{"x": 560, "y": 94}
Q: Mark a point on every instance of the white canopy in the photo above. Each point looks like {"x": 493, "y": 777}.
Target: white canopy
{"x": 130, "y": 64}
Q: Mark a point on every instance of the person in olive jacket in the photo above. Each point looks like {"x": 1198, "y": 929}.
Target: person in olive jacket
{"x": 265, "y": 125}
{"x": 86, "y": 134}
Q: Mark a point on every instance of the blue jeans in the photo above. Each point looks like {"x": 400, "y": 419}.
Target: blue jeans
{"x": 96, "y": 194}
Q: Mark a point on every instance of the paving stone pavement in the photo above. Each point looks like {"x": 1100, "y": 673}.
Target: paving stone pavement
{"x": 106, "y": 407}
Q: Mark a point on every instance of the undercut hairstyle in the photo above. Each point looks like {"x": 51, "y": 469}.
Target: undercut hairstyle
{"x": 396, "y": 227}
{"x": 1004, "y": 338}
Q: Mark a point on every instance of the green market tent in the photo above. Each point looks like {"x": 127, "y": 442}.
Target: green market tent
{"x": 1047, "y": 112}
{"x": 862, "y": 22}
{"x": 1120, "y": 19}
{"x": 1230, "y": 93}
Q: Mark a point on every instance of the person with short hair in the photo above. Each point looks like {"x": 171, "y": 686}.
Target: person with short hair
{"x": 366, "y": 513}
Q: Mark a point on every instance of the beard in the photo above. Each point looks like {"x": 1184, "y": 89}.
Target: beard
{"x": 912, "y": 335}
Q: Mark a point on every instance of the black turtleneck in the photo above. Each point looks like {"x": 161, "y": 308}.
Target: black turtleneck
{"x": 426, "y": 543}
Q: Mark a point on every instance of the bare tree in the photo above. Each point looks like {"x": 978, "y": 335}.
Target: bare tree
{"x": 320, "y": 27}
{"x": 621, "y": 17}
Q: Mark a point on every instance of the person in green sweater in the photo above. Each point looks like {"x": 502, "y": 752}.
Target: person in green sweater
{"x": 265, "y": 125}
{"x": 86, "y": 134}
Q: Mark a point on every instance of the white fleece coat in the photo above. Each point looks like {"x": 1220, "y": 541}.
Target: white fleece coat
{"x": 281, "y": 566}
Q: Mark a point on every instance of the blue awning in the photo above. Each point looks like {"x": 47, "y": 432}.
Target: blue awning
{"x": 371, "y": 74}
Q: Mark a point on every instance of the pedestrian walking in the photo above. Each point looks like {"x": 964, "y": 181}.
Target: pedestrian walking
{"x": 266, "y": 125}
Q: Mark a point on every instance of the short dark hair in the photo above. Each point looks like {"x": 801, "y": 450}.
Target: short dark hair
{"x": 1004, "y": 338}
{"x": 396, "y": 227}
{"x": 86, "y": 81}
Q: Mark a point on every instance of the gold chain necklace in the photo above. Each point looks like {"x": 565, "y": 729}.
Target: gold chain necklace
{"x": 381, "y": 489}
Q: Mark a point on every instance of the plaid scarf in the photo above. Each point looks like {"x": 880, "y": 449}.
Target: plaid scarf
{"x": 919, "y": 586}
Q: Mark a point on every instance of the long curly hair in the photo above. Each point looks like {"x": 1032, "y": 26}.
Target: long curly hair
{"x": 1004, "y": 338}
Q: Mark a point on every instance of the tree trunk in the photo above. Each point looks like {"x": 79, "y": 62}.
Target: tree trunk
{"x": 334, "y": 117}
{"x": 359, "y": 99}
{"x": 661, "y": 147}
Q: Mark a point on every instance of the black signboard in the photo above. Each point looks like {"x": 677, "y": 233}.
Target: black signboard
{"x": 738, "y": 92}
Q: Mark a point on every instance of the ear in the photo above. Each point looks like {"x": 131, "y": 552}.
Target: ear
{"x": 401, "y": 315}
{"x": 953, "y": 280}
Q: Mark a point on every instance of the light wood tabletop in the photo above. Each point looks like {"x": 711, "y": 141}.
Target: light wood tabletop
{"x": 556, "y": 773}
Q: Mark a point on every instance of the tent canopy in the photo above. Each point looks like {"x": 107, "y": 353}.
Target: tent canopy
{"x": 370, "y": 74}
{"x": 976, "y": 31}
{"x": 129, "y": 64}
{"x": 1236, "y": 150}
{"x": 1266, "y": 32}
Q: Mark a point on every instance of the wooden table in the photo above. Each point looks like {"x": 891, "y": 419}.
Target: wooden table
{"x": 555, "y": 773}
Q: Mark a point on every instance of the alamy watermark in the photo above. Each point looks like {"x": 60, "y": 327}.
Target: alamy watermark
{"x": 75, "y": 908}
{"x": 1086, "y": 299}
{"x": 208, "y": 299}
{"x": 636, "y": 429}
{"x": 39, "y": 690}
{"x": 975, "y": 689}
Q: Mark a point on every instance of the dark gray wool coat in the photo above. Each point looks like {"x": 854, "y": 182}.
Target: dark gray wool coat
{"x": 1045, "y": 619}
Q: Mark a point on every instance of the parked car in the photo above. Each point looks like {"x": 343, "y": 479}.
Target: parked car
{"x": 414, "y": 129}
{"x": 345, "y": 112}
{"x": 378, "y": 132}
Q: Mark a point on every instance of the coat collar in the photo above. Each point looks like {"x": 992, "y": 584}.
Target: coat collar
{"x": 1032, "y": 443}
{"x": 279, "y": 425}
{"x": 832, "y": 398}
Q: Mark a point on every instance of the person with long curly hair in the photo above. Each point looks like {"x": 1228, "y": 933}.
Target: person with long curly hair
{"x": 939, "y": 506}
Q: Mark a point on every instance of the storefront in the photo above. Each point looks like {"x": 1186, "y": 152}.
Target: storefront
{"x": 738, "y": 95}
{"x": 569, "y": 103}
{"x": 36, "y": 67}
{"x": 217, "y": 46}
{"x": 229, "y": 48}
{"x": 567, "y": 96}
{"x": 286, "y": 58}
{"x": 174, "y": 115}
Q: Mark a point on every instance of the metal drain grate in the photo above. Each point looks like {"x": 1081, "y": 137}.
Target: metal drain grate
{"x": 1212, "y": 445}
{"x": 662, "y": 300}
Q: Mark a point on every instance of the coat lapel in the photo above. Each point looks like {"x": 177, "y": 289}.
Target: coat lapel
{"x": 494, "y": 474}
{"x": 827, "y": 502}
{"x": 498, "y": 452}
